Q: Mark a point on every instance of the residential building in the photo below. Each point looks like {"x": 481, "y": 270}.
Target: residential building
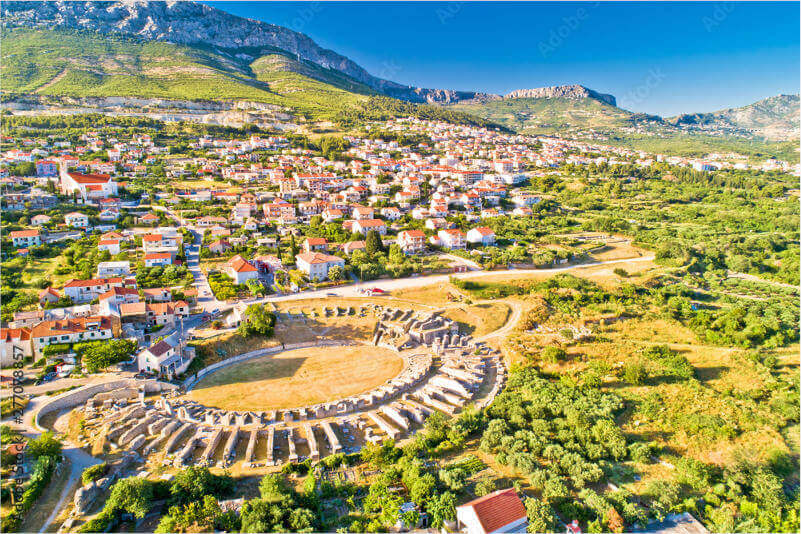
{"x": 241, "y": 270}
{"x": 87, "y": 186}
{"x": 87, "y": 290}
{"x": 412, "y": 241}
{"x": 14, "y": 341}
{"x": 76, "y": 219}
{"x": 452, "y": 238}
{"x": 73, "y": 330}
{"x": 315, "y": 244}
{"x": 500, "y": 511}
{"x": 111, "y": 245}
{"x": 26, "y": 238}
{"x": 109, "y": 269}
{"x": 316, "y": 264}
{"x": 481, "y": 236}
{"x": 158, "y": 259}
{"x": 362, "y": 226}
{"x": 167, "y": 357}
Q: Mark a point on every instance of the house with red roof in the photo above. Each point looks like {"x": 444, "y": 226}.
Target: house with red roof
{"x": 88, "y": 186}
{"x": 362, "y": 226}
{"x": 481, "y": 236}
{"x": 48, "y": 296}
{"x": 412, "y": 241}
{"x": 14, "y": 340}
{"x": 241, "y": 270}
{"x": 316, "y": 264}
{"x": 26, "y": 238}
{"x": 500, "y": 511}
{"x": 315, "y": 244}
{"x": 158, "y": 259}
{"x": 452, "y": 238}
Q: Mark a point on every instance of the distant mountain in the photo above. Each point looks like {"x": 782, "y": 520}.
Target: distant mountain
{"x": 561, "y": 108}
{"x": 775, "y": 118}
{"x": 199, "y": 25}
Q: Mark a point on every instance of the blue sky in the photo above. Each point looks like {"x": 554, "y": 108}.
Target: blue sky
{"x": 662, "y": 58}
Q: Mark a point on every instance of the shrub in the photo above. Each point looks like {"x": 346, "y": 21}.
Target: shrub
{"x": 553, "y": 354}
{"x": 94, "y": 472}
{"x": 634, "y": 373}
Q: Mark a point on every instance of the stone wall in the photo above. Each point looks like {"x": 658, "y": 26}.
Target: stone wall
{"x": 78, "y": 397}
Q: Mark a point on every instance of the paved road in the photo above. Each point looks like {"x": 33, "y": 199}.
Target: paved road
{"x": 205, "y": 298}
{"x": 352, "y": 290}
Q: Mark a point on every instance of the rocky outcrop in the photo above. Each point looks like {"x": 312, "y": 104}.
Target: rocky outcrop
{"x": 576, "y": 92}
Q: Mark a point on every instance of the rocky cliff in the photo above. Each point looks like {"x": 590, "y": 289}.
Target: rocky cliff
{"x": 575, "y": 92}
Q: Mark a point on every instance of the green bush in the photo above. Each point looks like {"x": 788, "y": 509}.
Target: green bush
{"x": 94, "y": 472}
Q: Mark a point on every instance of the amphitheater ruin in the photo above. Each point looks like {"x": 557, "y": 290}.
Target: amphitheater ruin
{"x": 443, "y": 371}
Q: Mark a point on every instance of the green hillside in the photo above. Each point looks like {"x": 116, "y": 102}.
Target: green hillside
{"x": 584, "y": 118}
{"x": 549, "y": 115}
{"x": 83, "y": 64}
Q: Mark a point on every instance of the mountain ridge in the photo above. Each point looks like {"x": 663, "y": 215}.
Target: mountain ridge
{"x": 774, "y": 117}
{"x": 192, "y": 23}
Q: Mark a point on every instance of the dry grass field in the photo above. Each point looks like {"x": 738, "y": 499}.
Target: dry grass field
{"x": 297, "y": 378}
{"x": 479, "y": 319}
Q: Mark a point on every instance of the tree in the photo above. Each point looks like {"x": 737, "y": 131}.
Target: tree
{"x": 335, "y": 273}
{"x": 98, "y": 356}
{"x": 272, "y": 487}
{"x": 133, "y": 495}
{"x": 454, "y": 479}
{"x": 541, "y": 517}
{"x": 257, "y": 320}
{"x": 193, "y": 483}
{"x": 44, "y": 445}
{"x": 441, "y": 508}
{"x": 634, "y": 373}
{"x": 373, "y": 243}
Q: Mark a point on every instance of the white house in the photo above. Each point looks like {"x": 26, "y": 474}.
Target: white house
{"x": 362, "y": 226}
{"x": 106, "y": 269}
{"x": 112, "y": 245}
{"x": 500, "y": 511}
{"x": 482, "y": 236}
{"x": 241, "y": 270}
{"x": 76, "y": 219}
{"x": 72, "y": 330}
{"x": 158, "y": 259}
{"x": 88, "y": 186}
{"x": 452, "y": 238}
{"x": 26, "y": 238}
{"x": 14, "y": 340}
{"x": 412, "y": 241}
{"x": 316, "y": 265}
{"x": 167, "y": 358}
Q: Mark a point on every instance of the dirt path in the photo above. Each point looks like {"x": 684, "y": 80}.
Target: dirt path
{"x": 752, "y": 278}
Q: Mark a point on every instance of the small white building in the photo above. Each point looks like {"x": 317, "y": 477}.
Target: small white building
{"x": 500, "y": 511}
{"x": 481, "y": 236}
{"x": 241, "y": 270}
{"x": 452, "y": 238}
{"x": 316, "y": 265}
{"x": 110, "y": 269}
{"x": 76, "y": 219}
{"x": 26, "y": 238}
